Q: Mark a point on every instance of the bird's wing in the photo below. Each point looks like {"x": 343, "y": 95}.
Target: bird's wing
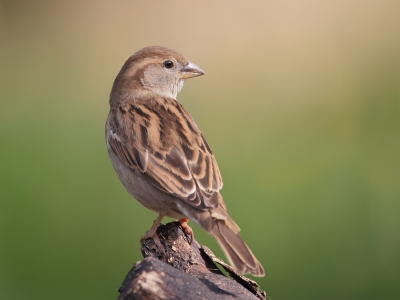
{"x": 158, "y": 138}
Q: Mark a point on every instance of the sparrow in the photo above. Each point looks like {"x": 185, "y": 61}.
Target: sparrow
{"x": 162, "y": 158}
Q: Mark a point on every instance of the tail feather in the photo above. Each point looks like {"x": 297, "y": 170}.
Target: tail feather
{"x": 235, "y": 249}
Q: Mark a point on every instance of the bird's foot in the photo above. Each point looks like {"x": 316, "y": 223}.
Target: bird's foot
{"x": 187, "y": 229}
{"x": 152, "y": 234}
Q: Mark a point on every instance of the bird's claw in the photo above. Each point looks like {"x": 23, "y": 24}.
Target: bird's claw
{"x": 187, "y": 229}
{"x": 152, "y": 233}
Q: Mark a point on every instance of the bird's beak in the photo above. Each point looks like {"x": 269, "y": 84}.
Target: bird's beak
{"x": 190, "y": 71}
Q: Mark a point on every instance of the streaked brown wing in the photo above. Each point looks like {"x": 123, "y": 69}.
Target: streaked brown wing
{"x": 160, "y": 139}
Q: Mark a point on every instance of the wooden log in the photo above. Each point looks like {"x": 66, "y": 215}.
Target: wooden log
{"x": 184, "y": 272}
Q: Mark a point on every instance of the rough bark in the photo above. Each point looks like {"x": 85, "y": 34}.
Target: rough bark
{"x": 183, "y": 272}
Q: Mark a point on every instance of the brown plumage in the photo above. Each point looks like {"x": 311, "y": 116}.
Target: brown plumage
{"x": 160, "y": 155}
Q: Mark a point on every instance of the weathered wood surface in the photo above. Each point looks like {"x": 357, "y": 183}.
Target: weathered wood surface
{"x": 183, "y": 272}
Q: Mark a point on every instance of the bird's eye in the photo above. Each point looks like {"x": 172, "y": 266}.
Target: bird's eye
{"x": 168, "y": 64}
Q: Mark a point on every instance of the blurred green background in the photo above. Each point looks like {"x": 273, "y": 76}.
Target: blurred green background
{"x": 300, "y": 104}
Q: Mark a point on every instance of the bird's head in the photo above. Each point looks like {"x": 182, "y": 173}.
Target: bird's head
{"x": 157, "y": 69}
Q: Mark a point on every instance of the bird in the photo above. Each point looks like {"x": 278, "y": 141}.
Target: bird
{"x": 162, "y": 158}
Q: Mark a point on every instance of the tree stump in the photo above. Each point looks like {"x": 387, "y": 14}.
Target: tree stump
{"x": 184, "y": 272}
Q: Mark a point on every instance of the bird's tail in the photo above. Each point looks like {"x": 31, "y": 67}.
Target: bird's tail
{"x": 238, "y": 253}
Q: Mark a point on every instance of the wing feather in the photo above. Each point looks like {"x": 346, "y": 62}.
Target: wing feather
{"x": 166, "y": 146}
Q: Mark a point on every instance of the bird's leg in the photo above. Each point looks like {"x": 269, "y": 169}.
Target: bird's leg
{"x": 187, "y": 228}
{"x": 152, "y": 233}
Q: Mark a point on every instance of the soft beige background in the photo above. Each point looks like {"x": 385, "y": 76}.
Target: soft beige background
{"x": 300, "y": 103}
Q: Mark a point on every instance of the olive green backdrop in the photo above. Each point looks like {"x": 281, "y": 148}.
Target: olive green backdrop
{"x": 300, "y": 103}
